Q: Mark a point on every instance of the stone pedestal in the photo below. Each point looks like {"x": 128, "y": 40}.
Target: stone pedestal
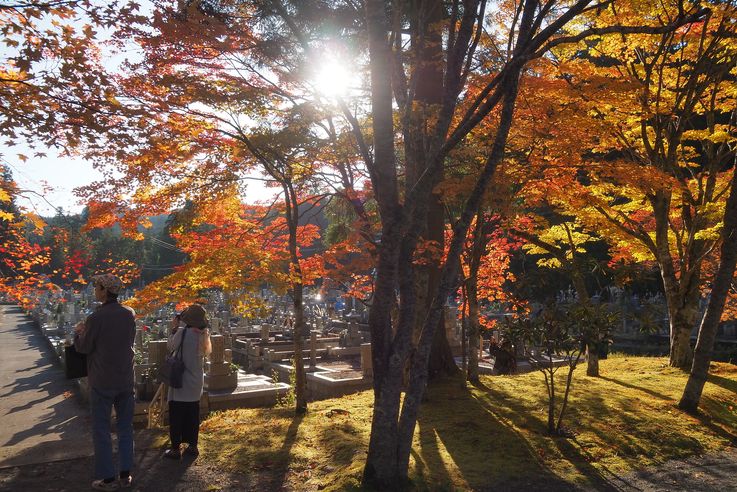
{"x": 265, "y": 333}
{"x": 219, "y": 375}
{"x": 367, "y": 365}
{"x": 225, "y": 382}
{"x": 218, "y": 348}
{"x": 157, "y": 351}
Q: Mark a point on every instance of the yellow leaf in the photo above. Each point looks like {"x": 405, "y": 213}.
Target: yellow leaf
{"x": 4, "y": 196}
{"x": 6, "y": 216}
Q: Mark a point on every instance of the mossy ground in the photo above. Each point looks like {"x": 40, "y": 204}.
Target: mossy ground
{"x": 492, "y": 435}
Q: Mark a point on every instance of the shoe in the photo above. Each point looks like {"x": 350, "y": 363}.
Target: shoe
{"x": 173, "y": 454}
{"x": 103, "y": 485}
{"x": 190, "y": 451}
{"x": 125, "y": 483}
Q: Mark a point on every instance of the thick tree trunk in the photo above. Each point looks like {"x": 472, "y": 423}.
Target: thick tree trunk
{"x": 442, "y": 362}
{"x": 681, "y": 355}
{"x": 449, "y": 278}
{"x": 680, "y": 296}
{"x": 683, "y": 313}
{"x": 592, "y": 359}
{"x": 710, "y": 323}
{"x": 382, "y": 470}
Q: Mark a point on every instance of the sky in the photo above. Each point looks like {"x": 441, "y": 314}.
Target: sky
{"x": 62, "y": 174}
{"x": 50, "y": 181}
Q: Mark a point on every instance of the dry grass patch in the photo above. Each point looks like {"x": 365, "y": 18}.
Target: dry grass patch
{"x": 491, "y": 435}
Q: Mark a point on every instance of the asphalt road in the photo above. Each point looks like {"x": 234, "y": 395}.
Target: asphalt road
{"x": 42, "y": 418}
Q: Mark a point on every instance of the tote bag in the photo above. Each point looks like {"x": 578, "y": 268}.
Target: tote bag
{"x": 172, "y": 370}
{"x": 75, "y": 363}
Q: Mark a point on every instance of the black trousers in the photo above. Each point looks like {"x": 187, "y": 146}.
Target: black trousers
{"x": 184, "y": 423}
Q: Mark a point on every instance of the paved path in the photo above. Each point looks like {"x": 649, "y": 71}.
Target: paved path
{"x": 42, "y": 418}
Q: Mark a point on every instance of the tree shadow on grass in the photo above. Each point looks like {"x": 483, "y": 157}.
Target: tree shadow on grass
{"x": 726, "y": 383}
{"x": 282, "y": 457}
{"x": 638, "y": 388}
{"x": 429, "y": 463}
{"x": 715, "y": 409}
{"x": 344, "y": 440}
{"x": 489, "y": 454}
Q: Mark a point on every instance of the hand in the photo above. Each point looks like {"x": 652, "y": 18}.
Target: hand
{"x": 80, "y": 328}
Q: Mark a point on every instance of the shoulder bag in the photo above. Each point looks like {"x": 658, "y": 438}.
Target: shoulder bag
{"x": 172, "y": 370}
{"x": 75, "y": 363}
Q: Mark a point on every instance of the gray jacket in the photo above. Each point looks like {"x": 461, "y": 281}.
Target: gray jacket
{"x": 193, "y": 378}
{"x": 108, "y": 342}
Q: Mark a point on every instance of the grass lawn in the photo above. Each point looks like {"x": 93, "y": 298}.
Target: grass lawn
{"x": 491, "y": 436}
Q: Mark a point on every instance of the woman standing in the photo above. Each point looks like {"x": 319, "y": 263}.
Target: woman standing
{"x": 184, "y": 402}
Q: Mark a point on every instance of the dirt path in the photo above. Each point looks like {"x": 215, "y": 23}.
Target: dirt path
{"x": 151, "y": 473}
{"x": 711, "y": 472}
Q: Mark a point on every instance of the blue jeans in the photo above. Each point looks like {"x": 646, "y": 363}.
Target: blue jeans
{"x": 101, "y": 403}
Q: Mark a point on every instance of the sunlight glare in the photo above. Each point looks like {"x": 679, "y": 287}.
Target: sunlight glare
{"x": 332, "y": 79}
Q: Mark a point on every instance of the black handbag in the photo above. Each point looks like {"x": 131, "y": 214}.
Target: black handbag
{"x": 75, "y": 363}
{"x": 172, "y": 370}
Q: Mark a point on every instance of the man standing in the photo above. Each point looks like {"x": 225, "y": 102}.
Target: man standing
{"x": 107, "y": 337}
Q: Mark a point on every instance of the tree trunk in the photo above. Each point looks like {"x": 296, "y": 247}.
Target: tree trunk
{"x": 442, "y": 362}
{"x": 592, "y": 346}
{"x": 473, "y": 331}
{"x": 592, "y": 357}
{"x": 681, "y": 355}
{"x": 382, "y": 470}
{"x": 710, "y": 323}
{"x": 292, "y": 213}
{"x": 682, "y": 322}
{"x": 681, "y": 298}
{"x": 300, "y": 405}
{"x": 449, "y": 277}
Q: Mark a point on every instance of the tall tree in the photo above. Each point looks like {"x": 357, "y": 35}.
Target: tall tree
{"x": 662, "y": 151}
{"x": 404, "y": 203}
{"x": 710, "y": 322}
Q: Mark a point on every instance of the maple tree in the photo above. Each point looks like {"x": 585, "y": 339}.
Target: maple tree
{"x": 21, "y": 261}
{"x": 656, "y": 173}
{"x": 54, "y": 88}
{"x": 229, "y": 249}
{"x": 485, "y": 267}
